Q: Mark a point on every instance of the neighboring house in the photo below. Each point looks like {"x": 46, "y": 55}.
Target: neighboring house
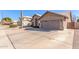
{"x": 26, "y": 21}
{"x": 35, "y": 22}
{"x": 51, "y": 20}
{"x": 14, "y": 22}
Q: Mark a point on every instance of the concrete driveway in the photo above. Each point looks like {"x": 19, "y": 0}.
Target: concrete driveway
{"x": 22, "y": 39}
{"x": 15, "y": 38}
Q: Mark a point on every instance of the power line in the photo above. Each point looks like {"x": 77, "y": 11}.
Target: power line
{"x": 39, "y": 11}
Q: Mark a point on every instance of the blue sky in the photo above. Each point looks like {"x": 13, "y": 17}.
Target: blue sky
{"x": 15, "y": 14}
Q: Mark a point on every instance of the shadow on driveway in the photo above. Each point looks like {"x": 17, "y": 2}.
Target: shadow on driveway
{"x": 38, "y": 29}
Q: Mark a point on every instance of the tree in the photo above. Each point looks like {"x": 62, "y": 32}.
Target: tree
{"x": 77, "y": 20}
{"x": 7, "y": 19}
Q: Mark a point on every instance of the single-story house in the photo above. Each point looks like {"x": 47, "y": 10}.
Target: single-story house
{"x": 26, "y": 21}
{"x": 34, "y": 20}
{"x": 14, "y": 22}
{"x": 51, "y": 20}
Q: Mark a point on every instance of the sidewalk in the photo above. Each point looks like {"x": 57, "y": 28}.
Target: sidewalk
{"x": 76, "y": 39}
{"x": 4, "y": 41}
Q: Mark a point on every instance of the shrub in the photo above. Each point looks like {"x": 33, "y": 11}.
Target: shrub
{"x": 12, "y": 25}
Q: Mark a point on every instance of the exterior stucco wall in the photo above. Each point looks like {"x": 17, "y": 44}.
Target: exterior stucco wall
{"x": 68, "y": 14}
{"x": 65, "y": 24}
{"x": 68, "y": 20}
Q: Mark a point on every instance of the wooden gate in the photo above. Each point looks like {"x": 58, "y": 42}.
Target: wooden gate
{"x": 76, "y": 25}
{"x": 70, "y": 25}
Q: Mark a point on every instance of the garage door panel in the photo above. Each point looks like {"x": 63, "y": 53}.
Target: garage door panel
{"x": 55, "y": 24}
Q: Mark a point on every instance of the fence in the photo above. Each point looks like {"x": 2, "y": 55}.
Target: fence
{"x": 76, "y": 25}
{"x": 73, "y": 25}
{"x": 70, "y": 25}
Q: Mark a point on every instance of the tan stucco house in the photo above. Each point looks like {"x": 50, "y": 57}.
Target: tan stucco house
{"x": 51, "y": 20}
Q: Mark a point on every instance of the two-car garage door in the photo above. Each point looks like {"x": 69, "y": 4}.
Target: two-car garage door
{"x": 52, "y": 24}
